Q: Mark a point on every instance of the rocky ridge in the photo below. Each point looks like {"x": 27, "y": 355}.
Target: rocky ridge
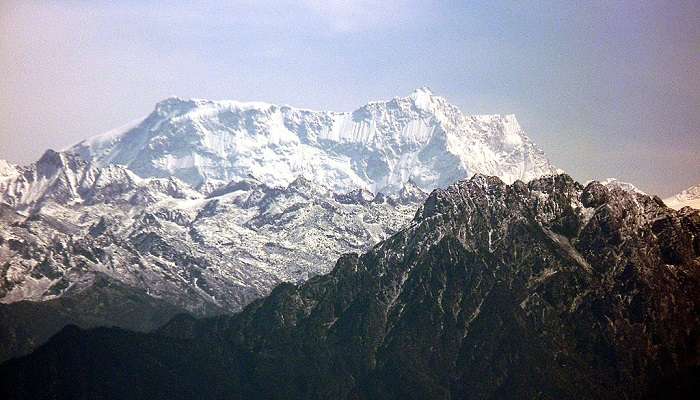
{"x": 541, "y": 290}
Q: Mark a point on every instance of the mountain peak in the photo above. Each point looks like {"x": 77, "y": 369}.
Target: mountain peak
{"x": 53, "y": 161}
{"x": 423, "y": 98}
{"x": 175, "y": 105}
{"x": 7, "y": 169}
{"x": 377, "y": 147}
{"x": 422, "y": 91}
{"x": 626, "y": 186}
{"x": 51, "y": 157}
{"x": 300, "y": 183}
{"x": 687, "y": 198}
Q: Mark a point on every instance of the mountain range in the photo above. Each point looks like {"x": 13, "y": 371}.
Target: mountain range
{"x": 378, "y": 147}
{"x": 547, "y": 290}
{"x": 204, "y": 206}
{"x": 225, "y": 249}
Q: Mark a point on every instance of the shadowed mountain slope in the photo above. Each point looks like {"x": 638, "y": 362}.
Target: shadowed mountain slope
{"x": 540, "y": 290}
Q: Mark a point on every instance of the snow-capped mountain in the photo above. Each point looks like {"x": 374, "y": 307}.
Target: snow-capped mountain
{"x": 378, "y": 147}
{"x": 688, "y": 198}
{"x": 626, "y": 186}
{"x": 73, "y": 235}
{"x": 206, "y": 206}
{"x": 197, "y": 251}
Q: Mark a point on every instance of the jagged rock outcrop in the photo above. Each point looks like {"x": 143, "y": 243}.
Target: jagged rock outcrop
{"x": 541, "y": 290}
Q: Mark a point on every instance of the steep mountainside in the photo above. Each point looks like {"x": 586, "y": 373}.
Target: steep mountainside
{"x": 378, "y": 147}
{"x": 542, "y": 290}
{"x": 201, "y": 253}
{"x": 687, "y": 198}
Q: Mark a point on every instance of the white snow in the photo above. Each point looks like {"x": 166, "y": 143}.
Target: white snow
{"x": 687, "y": 198}
{"x": 7, "y": 170}
{"x": 422, "y": 97}
{"x": 626, "y": 186}
{"x": 378, "y": 147}
{"x": 112, "y": 135}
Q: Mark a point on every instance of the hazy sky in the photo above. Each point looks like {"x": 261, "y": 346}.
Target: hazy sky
{"x": 607, "y": 89}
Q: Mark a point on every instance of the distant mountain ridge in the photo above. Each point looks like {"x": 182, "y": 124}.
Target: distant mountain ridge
{"x": 688, "y": 198}
{"x": 378, "y": 147}
{"x": 613, "y": 182}
{"x": 136, "y": 183}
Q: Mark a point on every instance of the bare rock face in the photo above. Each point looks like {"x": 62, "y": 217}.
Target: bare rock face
{"x": 542, "y": 290}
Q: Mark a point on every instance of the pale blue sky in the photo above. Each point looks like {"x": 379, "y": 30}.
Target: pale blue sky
{"x": 607, "y": 89}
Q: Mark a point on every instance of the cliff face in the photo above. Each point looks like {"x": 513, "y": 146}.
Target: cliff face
{"x": 539, "y": 290}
